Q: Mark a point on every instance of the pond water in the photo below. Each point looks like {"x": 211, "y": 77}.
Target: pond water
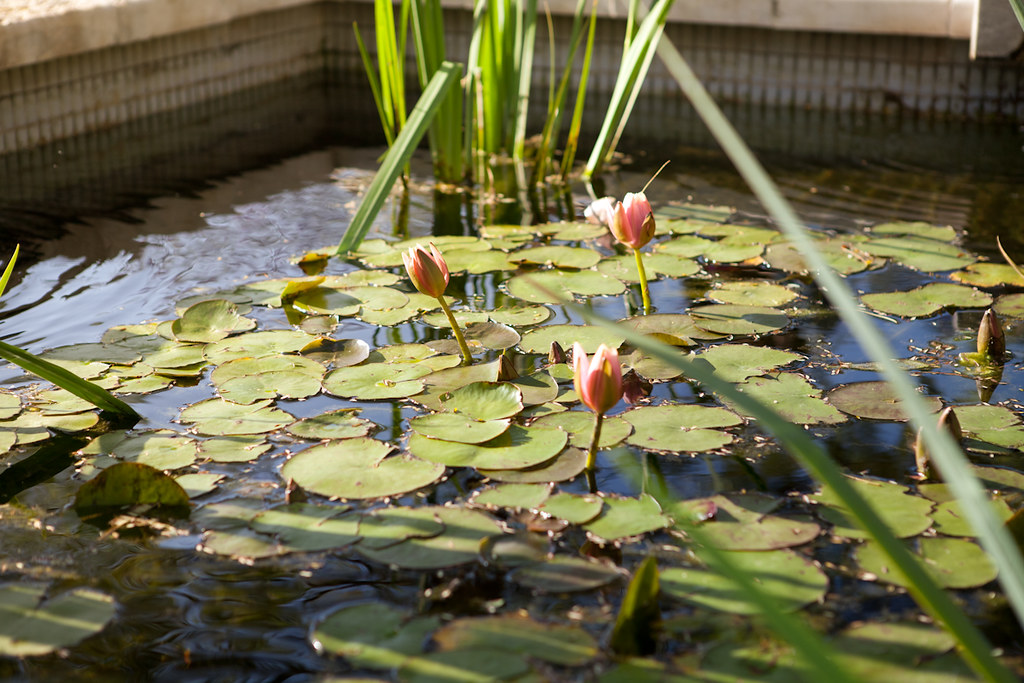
{"x": 235, "y": 610}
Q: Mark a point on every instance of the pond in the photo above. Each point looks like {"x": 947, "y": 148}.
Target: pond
{"x": 313, "y": 549}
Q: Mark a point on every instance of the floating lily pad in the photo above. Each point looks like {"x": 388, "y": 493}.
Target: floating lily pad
{"x": 906, "y": 515}
{"x": 10, "y": 404}
{"x": 572, "y": 507}
{"x": 518, "y": 448}
{"x": 623, "y": 267}
{"x": 459, "y": 544}
{"x": 562, "y": 467}
{"x": 926, "y": 300}
{"x": 988, "y": 275}
{"x": 162, "y": 449}
{"x": 565, "y": 575}
{"x": 692, "y": 246}
{"x": 464, "y": 318}
{"x": 1010, "y": 306}
{"x": 737, "y": 362}
{"x": 540, "y": 387}
{"x": 841, "y": 255}
{"x": 951, "y": 521}
{"x": 745, "y": 522}
{"x": 738, "y": 320}
{"x": 521, "y": 316}
{"x": 129, "y": 483}
{"x": 457, "y": 427}
{"x": 554, "y": 286}
{"x": 905, "y": 652}
{"x": 247, "y": 380}
{"x": 337, "y": 424}
{"x": 210, "y": 321}
{"x": 217, "y": 417}
{"x": 387, "y": 526}
{"x": 338, "y": 353}
{"x": 928, "y": 255}
{"x": 792, "y": 396}
{"x": 375, "y": 381}
{"x": 874, "y": 400}
{"x": 677, "y": 329}
{"x": 477, "y": 262}
{"x": 689, "y": 428}
{"x": 590, "y": 337}
{"x": 514, "y": 496}
{"x": 793, "y": 580}
{"x": 233, "y": 448}
{"x": 574, "y": 232}
{"x": 953, "y": 562}
{"x": 625, "y": 517}
{"x": 308, "y": 527}
{"x": 34, "y": 623}
{"x": 359, "y": 468}
{"x": 117, "y": 354}
{"x": 559, "y": 256}
{"x": 943, "y": 233}
{"x": 473, "y": 666}
{"x": 373, "y": 635}
{"x": 254, "y": 344}
{"x": 580, "y": 427}
{"x": 555, "y": 643}
{"x": 752, "y": 293}
{"x": 197, "y": 484}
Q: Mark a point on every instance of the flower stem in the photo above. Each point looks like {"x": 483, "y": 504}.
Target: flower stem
{"x": 643, "y": 282}
{"x": 467, "y": 357}
{"x": 592, "y": 453}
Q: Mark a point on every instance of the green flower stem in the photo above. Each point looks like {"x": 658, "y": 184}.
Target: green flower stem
{"x": 592, "y": 452}
{"x": 467, "y": 357}
{"x": 643, "y": 282}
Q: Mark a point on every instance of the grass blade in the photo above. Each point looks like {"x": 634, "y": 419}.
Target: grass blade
{"x": 65, "y": 379}
{"x": 9, "y": 269}
{"x": 573, "y": 137}
{"x": 399, "y": 154}
{"x": 1018, "y": 9}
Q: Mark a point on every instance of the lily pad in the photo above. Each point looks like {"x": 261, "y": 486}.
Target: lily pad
{"x": 376, "y": 381}
{"x": 359, "y": 468}
{"x": 518, "y": 448}
{"x": 197, "y": 484}
{"x": 737, "y": 362}
{"x": 943, "y": 233}
{"x": 906, "y": 515}
{"x": 928, "y": 255}
{"x": 337, "y": 353}
{"x": 233, "y": 448}
{"x": 473, "y": 666}
{"x": 873, "y": 400}
{"x": 927, "y": 300}
{"x": 540, "y": 387}
{"x": 387, "y": 526}
{"x": 457, "y": 427}
{"x": 162, "y": 449}
{"x": 625, "y": 517}
{"x": 565, "y": 575}
{"x": 308, "y": 527}
{"x": 580, "y": 427}
{"x": 590, "y": 337}
{"x": 373, "y": 635}
{"x": 210, "y": 321}
{"x": 752, "y": 293}
{"x": 744, "y": 521}
{"x": 337, "y": 424}
{"x": 792, "y": 579}
{"x": 458, "y": 544}
{"x": 572, "y": 507}
{"x": 559, "y": 256}
{"x": 217, "y": 417}
{"x": 734, "y": 319}
{"x": 33, "y": 623}
{"x": 562, "y": 467}
{"x": 129, "y": 483}
{"x": 953, "y": 562}
{"x": 514, "y": 496}
{"x": 555, "y": 643}
{"x": 521, "y": 316}
{"x": 1010, "y": 306}
{"x": 255, "y": 344}
{"x": 677, "y": 329}
{"x": 792, "y": 396}
{"x": 840, "y": 254}
{"x": 674, "y": 428}
{"x": 554, "y": 286}
{"x": 623, "y": 267}
{"x": 988, "y": 275}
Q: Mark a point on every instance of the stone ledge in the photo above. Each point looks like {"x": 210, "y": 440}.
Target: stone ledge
{"x": 33, "y": 31}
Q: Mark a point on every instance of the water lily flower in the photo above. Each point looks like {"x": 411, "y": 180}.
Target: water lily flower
{"x": 598, "y": 382}
{"x": 429, "y": 273}
{"x": 427, "y": 270}
{"x": 600, "y": 211}
{"x": 633, "y": 220}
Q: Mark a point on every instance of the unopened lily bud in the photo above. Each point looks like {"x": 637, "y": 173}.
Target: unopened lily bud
{"x": 598, "y": 380}
{"x": 634, "y": 388}
{"x": 506, "y": 369}
{"x": 947, "y": 421}
{"x": 991, "y": 340}
{"x": 557, "y": 353}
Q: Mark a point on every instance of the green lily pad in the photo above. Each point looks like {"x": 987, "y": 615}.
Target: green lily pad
{"x": 792, "y": 396}
{"x": 560, "y": 644}
{"x": 951, "y": 521}
{"x": 464, "y": 318}
{"x": 521, "y": 316}
{"x": 217, "y": 417}
{"x": 553, "y": 286}
{"x": 373, "y": 635}
{"x": 240, "y": 544}
{"x": 744, "y": 521}
{"x": 928, "y": 255}
{"x": 387, "y": 526}
{"x": 906, "y": 515}
{"x": 905, "y": 652}
{"x": 677, "y": 329}
{"x": 308, "y": 527}
{"x": 514, "y": 496}
{"x": 565, "y": 575}
{"x": 477, "y": 262}
{"x": 10, "y": 404}
{"x": 558, "y": 256}
{"x": 34, "y": 623}
{"x": 162, "y": 449}
{"x": 792, "y": 579}
{"x": 927, "y": 300}
{"x": 752, "y": 293}
{"x": 255, "y": 344}
{"x": 625, "y": 517}
{"x": 518, "y": 448}
{"x": 572, "y": 507}
{"x": 247, "y": 380}
{"x": 116, "y": 354}
{"x": 674, "y": 428}
{"x": 337, "y": 424}
{"x": 996, "y": 425}
{"x": 540, "y": 387}
{"x": 562, "y": 467}
{"x": 840, "y": 254}
{"x": 700, "y": 214}
{"x": 874, "y": 400}
{"x": 590, "y": 337}
{"x": 737, "y": 362}
{"x": 692, "y": 246}
{"x": 233, "y": 448}
{"x": 459, "y": 544}
{"x": 129, "y": 483}
{"x": 473, "y": 666}
{"x": 337, "y": 353}
{"x": 623, "y": 267}
{"x": 460, "y": 428}
{"x": 359, "y": 468}
{"x": 1010, "y": 306}
{"x": 210, "y": 321}
{"x": 988, "y": 275}
{"x": 197, "y": 484}
{"x": 580, "y": 427}
{"x": 177, "y": 356}
{"x": 375, "y": 381}
{"x": 953, "y": 562}
{"x": 738, "y": 320}
{"x": 943, "y": 233}
{"x": 740, "y": 234}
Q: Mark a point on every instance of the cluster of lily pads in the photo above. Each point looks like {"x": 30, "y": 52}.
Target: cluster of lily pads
{"x": 482, "y": 463}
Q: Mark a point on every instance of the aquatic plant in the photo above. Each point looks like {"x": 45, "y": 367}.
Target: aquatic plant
{"x": 598, "y": 382}
{"x": 429, "y": 273}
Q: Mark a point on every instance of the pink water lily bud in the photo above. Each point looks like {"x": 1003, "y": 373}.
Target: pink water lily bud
{"x": 598, "y": 380}
{"x": 600, "y": 211}
{"x": 991, "y": 340}
{"x": 633, "y": 221}
{"x": 427, "y": 270}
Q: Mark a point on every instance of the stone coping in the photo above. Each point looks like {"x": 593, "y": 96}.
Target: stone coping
{"x": 33, "y": 31}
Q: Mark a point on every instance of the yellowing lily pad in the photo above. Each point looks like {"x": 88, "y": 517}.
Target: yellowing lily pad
{"x": 738, "y": 320}
{"x": 210, "y": 321}
{"x": 926, "y": 300}
{"x": 873, "y": 400}
{"x": 988, "y": 275}
{"x": 674, "y": 428}
{"x": 517, "y": 448}
{"x": 359, "y": 468}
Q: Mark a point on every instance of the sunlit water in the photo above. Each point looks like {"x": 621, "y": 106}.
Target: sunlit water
{"x": 186, "y": 616}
